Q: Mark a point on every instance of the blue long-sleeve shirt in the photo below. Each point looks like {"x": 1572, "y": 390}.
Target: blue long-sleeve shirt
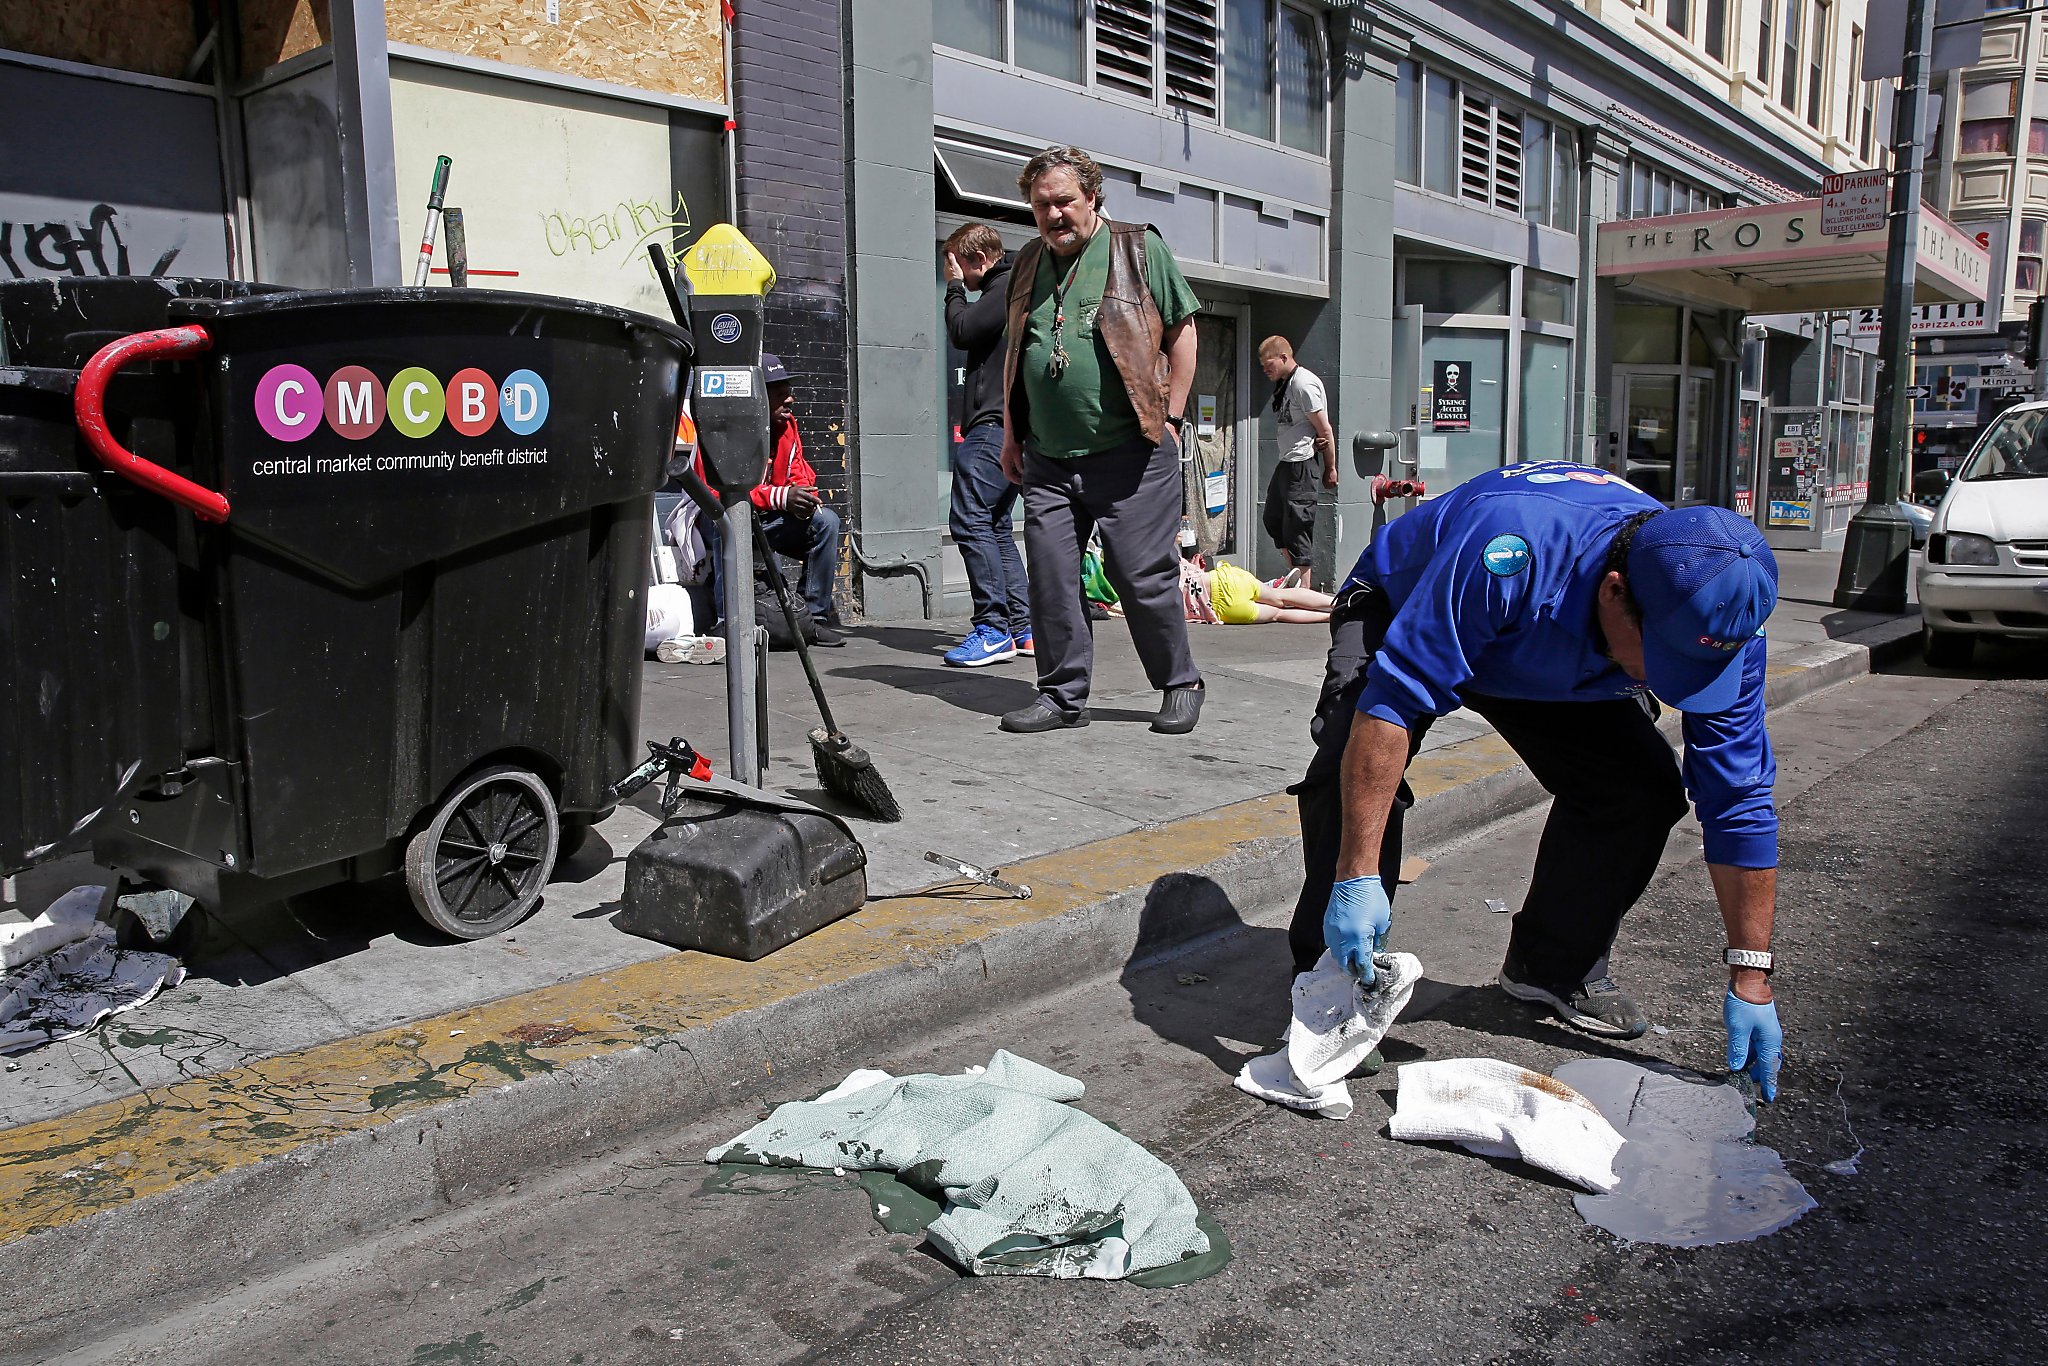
{"x": 1494, "y": 587}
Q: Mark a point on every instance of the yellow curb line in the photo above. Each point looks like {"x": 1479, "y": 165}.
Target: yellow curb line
{"x": 55, "y": 1171}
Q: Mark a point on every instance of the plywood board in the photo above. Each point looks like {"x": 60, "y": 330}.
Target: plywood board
{"x": 560, "y": 189}
{"x": 277, "y": 30}
{"x": 673, "y": 47}
{"x": 151, "y": 36}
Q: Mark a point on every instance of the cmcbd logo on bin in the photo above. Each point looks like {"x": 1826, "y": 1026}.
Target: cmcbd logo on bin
{"x": 292, "y": 403}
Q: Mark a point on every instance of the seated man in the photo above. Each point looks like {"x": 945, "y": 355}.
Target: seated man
{"x": 793, "y": 518}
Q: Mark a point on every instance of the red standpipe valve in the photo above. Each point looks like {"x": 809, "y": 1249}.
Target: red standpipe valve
{"x": 1384, "y": 488}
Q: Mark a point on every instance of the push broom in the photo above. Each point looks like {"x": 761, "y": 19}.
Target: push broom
{"x": 844, "y": 768}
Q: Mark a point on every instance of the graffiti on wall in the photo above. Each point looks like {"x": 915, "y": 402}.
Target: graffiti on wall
{"x": 619, "y": 234}
{"x": 92, "y": 245}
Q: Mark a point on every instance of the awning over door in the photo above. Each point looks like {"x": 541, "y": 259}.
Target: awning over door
{"x": 1772, "y": 258}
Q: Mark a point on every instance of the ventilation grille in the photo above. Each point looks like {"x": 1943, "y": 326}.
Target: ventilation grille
{"x": 1124, "y": 47}
{"x": 1490, "y": 154}
{"x": 1191, "y": 57}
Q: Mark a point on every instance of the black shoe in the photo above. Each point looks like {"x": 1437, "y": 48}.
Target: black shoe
{"x": 1097, "y": 612}
{"x": 1179, "y": 710}
{"x": 1595, "y": 1007}
{"x": 1040, "y": 714}
{"x": 824, "y": 637}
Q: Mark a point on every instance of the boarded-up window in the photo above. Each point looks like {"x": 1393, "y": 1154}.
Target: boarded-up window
{"x": 674, "y": 47}
{"x": 561, "y": 192}
{"x": 157, "y": 37}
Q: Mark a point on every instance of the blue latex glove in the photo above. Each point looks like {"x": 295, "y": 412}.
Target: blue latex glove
{"x": 1356, "y": 924}
{"x": 1756, "y": 1042}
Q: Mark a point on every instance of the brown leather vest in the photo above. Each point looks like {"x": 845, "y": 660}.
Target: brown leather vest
{"x": 1128, "y": 321}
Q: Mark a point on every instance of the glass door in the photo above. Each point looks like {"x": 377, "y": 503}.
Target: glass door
{"x": 1649, "y": 433}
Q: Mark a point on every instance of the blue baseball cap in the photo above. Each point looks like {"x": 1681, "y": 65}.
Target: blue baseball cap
{"x": 1706, "y": 582}
{"x": 772, "y": 371}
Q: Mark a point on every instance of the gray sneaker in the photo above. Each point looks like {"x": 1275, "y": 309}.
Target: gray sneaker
{"x": 1596, "y": 1007}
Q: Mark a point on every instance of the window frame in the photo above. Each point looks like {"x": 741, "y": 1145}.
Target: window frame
{"x": 1163, "y": 101}
{"x": 1412, "y": 117}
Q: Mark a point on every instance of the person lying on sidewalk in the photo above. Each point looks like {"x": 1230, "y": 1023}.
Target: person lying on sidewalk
{"x": 1560, "y": 604}
{"x": 1229, "y": 595}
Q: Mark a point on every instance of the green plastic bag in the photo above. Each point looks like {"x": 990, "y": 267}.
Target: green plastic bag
{"x": 1095, "y": 583}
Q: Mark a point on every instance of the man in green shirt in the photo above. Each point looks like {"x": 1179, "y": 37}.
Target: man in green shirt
{"x": 1101, "y": 357}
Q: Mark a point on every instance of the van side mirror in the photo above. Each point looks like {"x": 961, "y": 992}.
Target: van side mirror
{"x": 1930, "y": 484}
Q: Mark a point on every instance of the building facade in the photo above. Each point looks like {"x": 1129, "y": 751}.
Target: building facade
{"x": 1423, "y": 198}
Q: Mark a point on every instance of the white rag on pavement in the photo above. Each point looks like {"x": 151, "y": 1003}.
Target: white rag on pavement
{"x": 1497, "y": 1109}
{"x": 1336, "y": 1023}
{"x": 1031, "y": 1186}
{"x": 64, "y": 974}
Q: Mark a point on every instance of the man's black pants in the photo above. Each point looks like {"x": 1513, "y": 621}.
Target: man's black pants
{"x": 1290, "y": 511}
{"x": 1612, "y": 778}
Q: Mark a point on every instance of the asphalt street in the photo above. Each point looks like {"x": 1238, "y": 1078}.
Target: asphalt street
{"x": 1911, "y": 980}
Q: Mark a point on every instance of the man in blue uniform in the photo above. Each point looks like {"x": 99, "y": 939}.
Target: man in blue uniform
{"x": 1549, "y": 599}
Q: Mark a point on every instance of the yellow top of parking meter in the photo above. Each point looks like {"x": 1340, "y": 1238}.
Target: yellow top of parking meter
{"x": 723, "y": 261}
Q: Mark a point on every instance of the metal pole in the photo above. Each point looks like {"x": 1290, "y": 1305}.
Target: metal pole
{"x": 1873, "y": 575}
{"x": 742, "y": 759}
{"x": 363, "y": 124}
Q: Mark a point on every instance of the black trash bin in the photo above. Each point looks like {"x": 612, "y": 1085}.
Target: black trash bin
{"x": 93, "y": 638}
{"x": 420, "y": 534}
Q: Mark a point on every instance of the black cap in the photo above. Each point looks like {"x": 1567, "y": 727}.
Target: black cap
{"x": 772, "y": 371}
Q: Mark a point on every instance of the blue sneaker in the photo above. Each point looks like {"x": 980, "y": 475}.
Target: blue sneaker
{"x": 1023, "y": 643}
{"x": 984, "y": 645}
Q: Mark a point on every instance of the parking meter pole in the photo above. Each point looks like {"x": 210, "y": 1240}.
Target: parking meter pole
{"x": 741, "y": 666}
{"x": 728, "y": 279}
{"x": 1873, "y": 574}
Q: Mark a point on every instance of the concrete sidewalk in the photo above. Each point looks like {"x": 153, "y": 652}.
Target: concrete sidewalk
{"x": 330, "y": 1067}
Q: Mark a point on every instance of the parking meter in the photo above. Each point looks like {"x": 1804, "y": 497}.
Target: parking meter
{"x": 728, "y": 279}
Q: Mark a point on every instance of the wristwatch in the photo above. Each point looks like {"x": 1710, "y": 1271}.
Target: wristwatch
{"x": 1747, "y": 958}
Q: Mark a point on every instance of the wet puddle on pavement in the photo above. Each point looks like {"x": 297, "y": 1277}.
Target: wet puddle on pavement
{"x": 1690, "y": 1174}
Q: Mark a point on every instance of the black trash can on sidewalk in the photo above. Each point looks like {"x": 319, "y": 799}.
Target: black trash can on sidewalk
{"x": 425, "y": 590}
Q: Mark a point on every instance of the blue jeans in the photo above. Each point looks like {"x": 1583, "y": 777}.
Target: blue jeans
{"x": 980, "y": 523}
{"x": 816, "y": 543}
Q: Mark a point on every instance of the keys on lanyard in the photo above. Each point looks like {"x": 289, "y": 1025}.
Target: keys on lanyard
{"x": 1056, "y": 363}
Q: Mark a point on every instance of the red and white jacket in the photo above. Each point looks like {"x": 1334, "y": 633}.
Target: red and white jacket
{"x": 788, "y": 470}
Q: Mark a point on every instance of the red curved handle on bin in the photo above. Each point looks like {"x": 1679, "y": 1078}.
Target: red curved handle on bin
{"x": 91, "y": 407}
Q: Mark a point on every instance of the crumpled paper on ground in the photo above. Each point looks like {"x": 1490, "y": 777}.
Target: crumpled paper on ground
{"x": 1497, "y": 1109}
{"x": 64, "y": 974}
{"x": 1336, "y": 1023}
{"x": 1031, "y": 1186}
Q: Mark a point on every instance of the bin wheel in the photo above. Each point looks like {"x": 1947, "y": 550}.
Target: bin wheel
{"x": 1946, "y": 649}
{"x": 483, "y": 861}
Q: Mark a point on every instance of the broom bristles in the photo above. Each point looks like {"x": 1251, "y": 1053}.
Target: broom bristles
{"x": 846, "y": 771}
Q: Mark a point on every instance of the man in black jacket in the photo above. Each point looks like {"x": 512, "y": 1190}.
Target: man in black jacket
{"x": 983, "y": 497}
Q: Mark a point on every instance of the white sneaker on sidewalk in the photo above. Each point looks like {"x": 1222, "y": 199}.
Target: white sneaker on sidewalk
{"x": 691, "y": 650}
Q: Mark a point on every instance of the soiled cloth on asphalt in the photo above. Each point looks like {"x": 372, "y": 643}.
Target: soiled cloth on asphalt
{"x": 1031, "y": 1186}
{"x": 1336, "y": 1023}
{"x": 63, "y": 973}
{"x": 1497, "y": 1109}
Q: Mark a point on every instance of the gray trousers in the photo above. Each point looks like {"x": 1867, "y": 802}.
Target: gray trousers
{"x": 1133, "y": 496}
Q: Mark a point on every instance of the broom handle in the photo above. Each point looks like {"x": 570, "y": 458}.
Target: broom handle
{"x": 803, "y": 650}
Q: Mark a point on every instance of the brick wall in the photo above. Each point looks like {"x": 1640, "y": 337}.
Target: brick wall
{"x": 790, "y": 104}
